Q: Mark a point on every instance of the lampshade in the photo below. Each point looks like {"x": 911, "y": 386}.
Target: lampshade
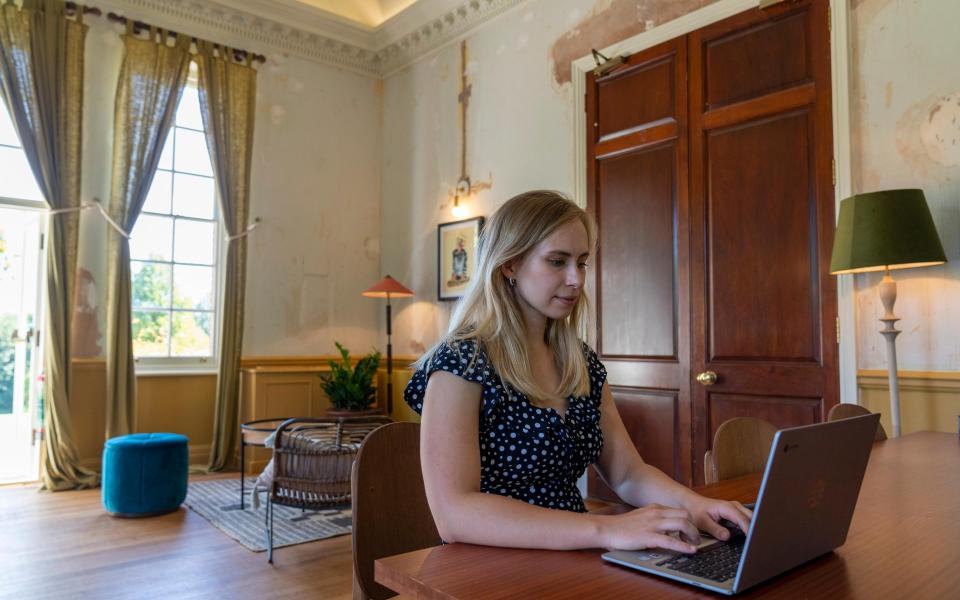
{"x": 890, "y": 229}
{"x": 387, "y": 287}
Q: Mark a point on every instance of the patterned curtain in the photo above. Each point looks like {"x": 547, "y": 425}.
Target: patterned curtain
{"x": 227, "y": 103}
{"x": 41, "y": 81}
{"x": 152, "y": 77}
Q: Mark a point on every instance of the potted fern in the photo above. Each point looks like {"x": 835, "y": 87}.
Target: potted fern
{"x": 351, "y": 387}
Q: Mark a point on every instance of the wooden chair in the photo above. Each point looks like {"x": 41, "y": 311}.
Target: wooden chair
{"x": 390, "y": 511}
{"x": 740, "y": 446}
{"x": 845, "y": 411}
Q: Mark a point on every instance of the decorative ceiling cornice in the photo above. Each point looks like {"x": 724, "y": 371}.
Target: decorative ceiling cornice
{"x": 398, "y": 46}
{"x": 317, "y": 35}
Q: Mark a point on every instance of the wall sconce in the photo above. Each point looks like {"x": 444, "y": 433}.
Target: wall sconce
{"x": 462, "y": 191}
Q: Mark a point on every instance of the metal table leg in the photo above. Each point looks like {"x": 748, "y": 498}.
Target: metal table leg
{"x": 243, "y": 445}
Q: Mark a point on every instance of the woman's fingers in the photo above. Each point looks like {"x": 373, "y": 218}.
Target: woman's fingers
{"x": 741, "y": 515}
{"x": 684, "y": 526}
{"x": 669, "y": 542}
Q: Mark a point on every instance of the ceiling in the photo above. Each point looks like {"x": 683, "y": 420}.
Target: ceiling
{"x": 371, "y": 13}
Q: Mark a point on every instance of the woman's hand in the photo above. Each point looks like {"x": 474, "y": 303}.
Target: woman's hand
{"x": 707, "y": 512}
{"x": 650, "y": 527}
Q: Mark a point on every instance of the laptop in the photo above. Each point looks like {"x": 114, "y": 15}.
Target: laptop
{"x": 806, "y": 501}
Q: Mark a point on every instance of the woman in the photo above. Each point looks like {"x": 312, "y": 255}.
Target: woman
{"x": 512, "y": 373}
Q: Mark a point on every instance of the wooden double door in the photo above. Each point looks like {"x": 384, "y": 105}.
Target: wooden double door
{"x": 710, "y": 177}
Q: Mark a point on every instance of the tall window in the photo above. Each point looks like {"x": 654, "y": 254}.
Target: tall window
{"x": 174, "y": 250}
{"x": 16, "y": 180}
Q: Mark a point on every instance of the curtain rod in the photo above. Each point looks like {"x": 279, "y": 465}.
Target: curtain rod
{"x": 239, "y": 55}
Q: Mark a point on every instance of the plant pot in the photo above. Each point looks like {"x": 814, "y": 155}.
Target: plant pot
{"x": 336, "y": 413}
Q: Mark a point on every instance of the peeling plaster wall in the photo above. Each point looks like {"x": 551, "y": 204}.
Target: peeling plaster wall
{"x": 520, "y": 132}
{"x": 315, "y": 186}
{"x": 906, "y": 133}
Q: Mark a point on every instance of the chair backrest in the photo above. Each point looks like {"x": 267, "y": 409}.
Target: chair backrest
{"x": 390, "y": 511}
{"x": 312, "y": 459}
{"x": 740, "y": 446}
{"x": 845, "y": 411}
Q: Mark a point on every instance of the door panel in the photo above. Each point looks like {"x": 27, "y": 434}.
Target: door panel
{"x": 637, "y": 97}
{"x": 763, "y": 303}
{"x": 763, "y": 294}
{"x": 651, "y": 418}
{"x": 776, "y": 53}
{"x": 708, "y": 171}
{"x": 638, "y": 287}
{"x": 638, "y": 195}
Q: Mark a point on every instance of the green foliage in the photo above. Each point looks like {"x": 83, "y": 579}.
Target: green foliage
{"x": 151, "y": 287}
{"x": 351, "y": 388}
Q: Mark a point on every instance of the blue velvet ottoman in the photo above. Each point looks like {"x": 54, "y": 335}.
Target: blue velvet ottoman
{"x": 144, "y": 474}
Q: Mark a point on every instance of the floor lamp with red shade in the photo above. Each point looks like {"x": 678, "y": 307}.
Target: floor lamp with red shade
{"x": 388, "y": 288}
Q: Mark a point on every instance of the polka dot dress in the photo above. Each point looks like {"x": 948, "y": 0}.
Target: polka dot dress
{"x": 526, "y": 452}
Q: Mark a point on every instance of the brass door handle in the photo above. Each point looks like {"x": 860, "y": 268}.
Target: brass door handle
{"x": 707, "y": 378}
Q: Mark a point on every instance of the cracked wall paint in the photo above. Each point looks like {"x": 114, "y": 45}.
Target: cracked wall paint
{"x": 85, "y": 327}
{"x": 905, "y": 133}
{"x": 520, "y": 126}
{"x": 610, "y": 21}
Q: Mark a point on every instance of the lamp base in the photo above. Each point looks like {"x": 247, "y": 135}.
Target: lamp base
{"x": 888, "y": 296}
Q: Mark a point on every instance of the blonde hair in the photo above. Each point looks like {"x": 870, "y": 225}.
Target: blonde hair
{"x": 489, "y": 312}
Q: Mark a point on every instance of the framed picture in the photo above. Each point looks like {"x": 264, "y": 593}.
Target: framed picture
{"x": 456, "y": 256}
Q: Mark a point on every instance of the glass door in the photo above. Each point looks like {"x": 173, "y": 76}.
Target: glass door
{"x": 21, "y": 385}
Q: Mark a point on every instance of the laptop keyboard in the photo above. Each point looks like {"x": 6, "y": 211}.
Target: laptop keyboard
{"x": 718, "y": 562}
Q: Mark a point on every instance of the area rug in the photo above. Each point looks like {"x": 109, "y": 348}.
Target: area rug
{"x": 218, "y": 501}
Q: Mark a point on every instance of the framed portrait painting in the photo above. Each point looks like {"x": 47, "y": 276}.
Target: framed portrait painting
{"x": 456, "y": 256}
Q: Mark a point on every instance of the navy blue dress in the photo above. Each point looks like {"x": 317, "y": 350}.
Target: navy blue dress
{"x": 526, "y": 452}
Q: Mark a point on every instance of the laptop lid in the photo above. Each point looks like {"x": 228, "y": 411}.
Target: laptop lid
{"x": 808, "y": 495}
{"x": 804, "y": 506}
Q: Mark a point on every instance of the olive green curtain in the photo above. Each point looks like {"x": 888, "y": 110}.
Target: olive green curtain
{"x": 152, "y": 77}
{"x": 41, "y": 82}
{"x": 227, "y": 103}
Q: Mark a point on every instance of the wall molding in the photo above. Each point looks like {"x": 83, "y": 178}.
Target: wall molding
{"x": 318, "y": 35}
{"x": 926, "y": 381}
{"x": 929, "y": 400}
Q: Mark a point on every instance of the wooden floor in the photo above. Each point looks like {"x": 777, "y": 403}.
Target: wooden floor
{"x": 64, "y": 545}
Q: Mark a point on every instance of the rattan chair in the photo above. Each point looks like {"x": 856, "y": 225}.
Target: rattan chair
{"x": 312, "y": 462}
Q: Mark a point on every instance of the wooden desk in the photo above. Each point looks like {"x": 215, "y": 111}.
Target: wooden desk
{"x": 904, "y": 542}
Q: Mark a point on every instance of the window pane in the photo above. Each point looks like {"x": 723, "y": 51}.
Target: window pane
{"x": 193, "y": 196}
{"x": 158, "y": 198}
{"x": 150, "y": 283}
{"x": 151, "y": 332}
{"x": 191, "y": 155}
{"x": 194, "y": 242}
{"x": 16, "y": 178}
{"x": 151, "y": 238}
{"x": 192, "y": 287}
{"x": 166, "y": 157}
{"x": 8, "y": 135}
{"x": 191, "y": 334}
{"x": 188, "y": 112}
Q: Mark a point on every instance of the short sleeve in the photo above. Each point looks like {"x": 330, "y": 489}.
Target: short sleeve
{"x": 596, "y": 371}
{"x": 458, "y": 358}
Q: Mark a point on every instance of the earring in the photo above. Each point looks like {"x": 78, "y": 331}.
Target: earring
{"x": 512, "y": 281}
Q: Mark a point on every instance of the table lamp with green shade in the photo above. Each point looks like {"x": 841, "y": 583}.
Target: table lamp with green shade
{"x": 388, "y": 288}
{"x": 882, "y": 231}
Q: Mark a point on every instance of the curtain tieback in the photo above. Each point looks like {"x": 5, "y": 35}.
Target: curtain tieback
{"x": 84, "y": 206}
{"x": 245, "y": 232}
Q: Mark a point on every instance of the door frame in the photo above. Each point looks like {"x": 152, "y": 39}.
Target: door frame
{"x": 36, "y": 365}
{"x": 840, "y": 76}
